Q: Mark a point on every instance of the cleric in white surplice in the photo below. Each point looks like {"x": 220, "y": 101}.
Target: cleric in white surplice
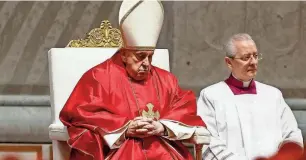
{"x": 247, "y": 119}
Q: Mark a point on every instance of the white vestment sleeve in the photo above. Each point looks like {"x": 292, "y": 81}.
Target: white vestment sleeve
{"x": 290, "y": 130}
{"x": 116, "y": 138}
{"x": 217, "y": 149}
{"x": 177, "y": 131}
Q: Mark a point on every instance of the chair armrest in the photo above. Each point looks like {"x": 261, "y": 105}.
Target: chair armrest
{"x": 58, "y": 132}
{"x": 200, "y": 136}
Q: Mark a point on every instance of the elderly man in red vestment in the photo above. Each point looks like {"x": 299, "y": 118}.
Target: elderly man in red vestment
{"x": 125, "y": 108}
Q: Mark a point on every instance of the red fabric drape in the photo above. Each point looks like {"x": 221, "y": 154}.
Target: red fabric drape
{"x": 103, "y": 102}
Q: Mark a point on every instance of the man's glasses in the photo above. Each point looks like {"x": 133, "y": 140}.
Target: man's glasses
{"x": 257, "y": 56}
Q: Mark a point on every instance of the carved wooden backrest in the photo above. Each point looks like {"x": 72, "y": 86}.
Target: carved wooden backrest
{"x": 105, "y": 36}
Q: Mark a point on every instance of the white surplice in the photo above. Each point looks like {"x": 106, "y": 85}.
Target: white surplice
{"x": 246, "y": 126}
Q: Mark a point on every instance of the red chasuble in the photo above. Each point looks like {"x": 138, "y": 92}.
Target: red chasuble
{"x": 288, "y": 151}
{"x": 105, "y": 99}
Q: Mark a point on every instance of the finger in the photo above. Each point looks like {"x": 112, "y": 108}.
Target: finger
{"x": 138, "y": 118}
{"x": 133, "y": 125}
{"x": 153, "y": 132}
{"x": 130, "y": 132}
{"x": 149, "y": 127}
{"x": 150, "y": 120}
{"x": 137, "y": 124}
{"x": 140, "y": 124}
{"x": 144, "y": 119}
{"x": 141, "y": 131}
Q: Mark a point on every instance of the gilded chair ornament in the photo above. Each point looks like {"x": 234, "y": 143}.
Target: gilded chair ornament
{"x": 105, "y": 36}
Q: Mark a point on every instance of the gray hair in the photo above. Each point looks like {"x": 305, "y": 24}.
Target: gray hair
{"x": 229, "y": 46}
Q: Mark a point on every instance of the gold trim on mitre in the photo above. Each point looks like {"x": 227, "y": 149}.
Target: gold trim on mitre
{"x": 139, "y": 48}
{"x": 129, "y": 12}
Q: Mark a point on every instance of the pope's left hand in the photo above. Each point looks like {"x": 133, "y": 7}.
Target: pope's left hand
{"x": 155, "y": 128}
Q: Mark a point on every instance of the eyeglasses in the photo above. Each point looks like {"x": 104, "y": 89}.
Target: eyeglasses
{"x": 257, "y": 56}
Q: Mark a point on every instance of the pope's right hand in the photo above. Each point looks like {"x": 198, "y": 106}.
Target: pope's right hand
{"x": 135, "y": 128}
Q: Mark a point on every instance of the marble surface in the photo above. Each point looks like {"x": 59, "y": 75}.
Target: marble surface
{"x": 24, "y": 124}
{"x": 25, "y": 100}
{"x": 193, "y": 31}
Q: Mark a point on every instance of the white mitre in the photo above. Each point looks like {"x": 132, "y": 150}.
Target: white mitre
{"x": 140, "y": 23}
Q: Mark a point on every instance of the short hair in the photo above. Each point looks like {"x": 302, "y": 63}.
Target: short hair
{"x": 229, "y": 47}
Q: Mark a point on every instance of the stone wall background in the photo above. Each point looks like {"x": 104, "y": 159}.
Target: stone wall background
{"x": 193, "y": 32}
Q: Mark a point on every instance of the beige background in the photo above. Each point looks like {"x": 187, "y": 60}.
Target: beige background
{"x": 192, "y": 31}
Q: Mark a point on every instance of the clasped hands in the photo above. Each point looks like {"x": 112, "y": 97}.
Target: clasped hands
{"x": 142, "y": 127}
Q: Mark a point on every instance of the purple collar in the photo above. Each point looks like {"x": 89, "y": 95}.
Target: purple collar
{"x": 238, "y": 88}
